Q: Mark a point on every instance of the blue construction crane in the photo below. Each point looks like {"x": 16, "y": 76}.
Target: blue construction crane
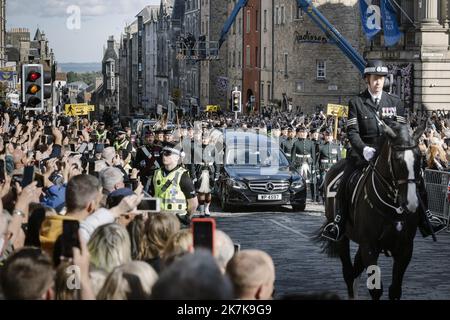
{"x": 322, "y": 22}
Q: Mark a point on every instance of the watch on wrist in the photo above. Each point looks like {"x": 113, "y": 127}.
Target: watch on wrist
{"x": 18, "y": 213}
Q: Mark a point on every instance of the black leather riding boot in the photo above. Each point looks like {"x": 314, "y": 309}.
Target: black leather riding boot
{"x": 428, "y": 223}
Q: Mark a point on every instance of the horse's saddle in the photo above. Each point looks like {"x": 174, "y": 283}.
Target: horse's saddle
{"x": 352, "y": 183}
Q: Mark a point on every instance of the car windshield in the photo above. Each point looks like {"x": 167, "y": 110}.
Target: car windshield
{"x": 248, "y": 157}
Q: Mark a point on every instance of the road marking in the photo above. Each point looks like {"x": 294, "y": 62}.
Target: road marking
{"x": 297, "y": 232}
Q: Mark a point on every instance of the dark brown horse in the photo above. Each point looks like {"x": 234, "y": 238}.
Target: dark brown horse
{"x": 383, "y": 210}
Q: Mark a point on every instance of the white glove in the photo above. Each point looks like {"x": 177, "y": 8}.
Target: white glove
{"x": 368, "y": 153}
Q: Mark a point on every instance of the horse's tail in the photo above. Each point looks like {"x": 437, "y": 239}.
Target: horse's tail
{"x": 330, "y": 248}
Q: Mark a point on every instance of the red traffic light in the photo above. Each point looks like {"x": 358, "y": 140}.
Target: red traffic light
{"x": 33, "y": 76}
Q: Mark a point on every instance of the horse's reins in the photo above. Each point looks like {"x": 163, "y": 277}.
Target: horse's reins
{"x": 397, "y": 182}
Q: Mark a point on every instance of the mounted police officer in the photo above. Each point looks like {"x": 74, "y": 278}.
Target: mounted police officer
{"x": 366, "y": 137}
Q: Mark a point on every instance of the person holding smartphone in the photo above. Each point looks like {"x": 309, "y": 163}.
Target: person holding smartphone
{"x": 173, "y": 186}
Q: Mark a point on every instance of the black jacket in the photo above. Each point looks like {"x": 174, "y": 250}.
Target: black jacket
{"x": 363, "y": 128}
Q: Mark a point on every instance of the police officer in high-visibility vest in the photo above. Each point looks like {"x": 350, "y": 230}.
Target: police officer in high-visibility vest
{"x": 100, "y": 133}
{"x": 122, "y": 143}
{"x": 173, "y": 186}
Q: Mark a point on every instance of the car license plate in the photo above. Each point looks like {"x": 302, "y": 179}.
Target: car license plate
{"x": 269, "y": 197}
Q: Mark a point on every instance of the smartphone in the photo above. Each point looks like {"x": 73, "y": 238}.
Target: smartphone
{"x": 91, "y": 167}
{"x": 72, "y": 147}
{"x": 49, "y": 140}
{"x": 2, "y": 170}
{"x": 129, "y": 186}
{"x": 28, "y": 176}
{"x": 82, "y": 148}
{"x": 69, "y": 237}
{"x": 99, "y": 147}
{"x": 149, "y": 205}
{"x": 48, "y": 131}
{"x": 203, "y": 230}
{"x": 40, "y": 180}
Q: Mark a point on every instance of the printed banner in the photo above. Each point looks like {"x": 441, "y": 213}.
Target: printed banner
{"x": 391, "y": 32}
{"x": 370, "y": 18}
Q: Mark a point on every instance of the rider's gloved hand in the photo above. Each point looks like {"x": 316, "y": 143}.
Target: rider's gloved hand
{"x": 369, "y": 153}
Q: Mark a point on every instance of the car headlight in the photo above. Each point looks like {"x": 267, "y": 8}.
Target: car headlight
{"x": 297, "y": 184}
{"x": 237, "y": 184}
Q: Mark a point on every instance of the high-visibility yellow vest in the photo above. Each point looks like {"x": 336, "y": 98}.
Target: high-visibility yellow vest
{"x": 119, "y": 146}
{"x": 169, "y": 191}
{"x": 100, "y": 136}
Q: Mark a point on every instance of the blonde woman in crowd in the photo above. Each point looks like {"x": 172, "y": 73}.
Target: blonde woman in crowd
{"x": 158, "y": 229}
{"x": 110, "y": 247}
{"x": 132, "y": 281}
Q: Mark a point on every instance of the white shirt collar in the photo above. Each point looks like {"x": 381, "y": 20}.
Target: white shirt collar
{"x": 376, "y": 96}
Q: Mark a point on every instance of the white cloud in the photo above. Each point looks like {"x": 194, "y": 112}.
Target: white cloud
{"x": 89, "y": 8}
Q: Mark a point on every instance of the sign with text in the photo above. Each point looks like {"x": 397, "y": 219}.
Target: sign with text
{"x": 81, "y": 109}
{"x": 337, "y": 110}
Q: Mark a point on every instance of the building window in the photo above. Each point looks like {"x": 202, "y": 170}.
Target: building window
{"x": 321, "y": 69}
{"x": 231, "y": 59}
{"x": 299, "y": 13}
{"x": 247, "y": 56}
{"x": 234, "y": 59}
{"x": 285, "y": 64}
{"x": 410, "y": 39}
{"x": 240, "y": 25}
{"x": 276, "y": 15}
{"x": 256, "y": 19}
{"x": 256, "y": 57}
{"x": 262, "y": 91}
{"x": 240, "y": 59}
{"x": 282, "y": 21}
{"x": 265, "y": 57}
{"x": 265, "y": 20}
{"x": 248, "y": 22}
{"x": 269, "y": 92}
{"x": 299, "y": 86}
{"x": 234, "y": 27}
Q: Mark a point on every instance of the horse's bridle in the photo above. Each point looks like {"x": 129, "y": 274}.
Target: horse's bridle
{"x": 393, "y": 191}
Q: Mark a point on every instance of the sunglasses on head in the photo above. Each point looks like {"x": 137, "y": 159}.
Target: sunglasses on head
{"x": 167, "y": 153}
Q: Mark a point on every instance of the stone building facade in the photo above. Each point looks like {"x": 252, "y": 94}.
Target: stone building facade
{"x": 310, "y": 71}
{"x": 420, "y": 62}
{"x": 235, "y": 52}
{"x": 267, "y": 48}
{"x": 213, "y": 74}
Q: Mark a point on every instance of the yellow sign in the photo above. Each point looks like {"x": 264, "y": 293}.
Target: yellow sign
{"x": 212, "y": 108}
{"x": 81, "y": 109}
{"x": 337, "y": 110}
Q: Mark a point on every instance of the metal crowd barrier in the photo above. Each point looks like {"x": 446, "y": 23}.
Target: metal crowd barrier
{"x": 437, "y": 185}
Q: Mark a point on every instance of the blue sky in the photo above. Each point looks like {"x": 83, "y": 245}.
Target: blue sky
{"x": 99, "y": 20}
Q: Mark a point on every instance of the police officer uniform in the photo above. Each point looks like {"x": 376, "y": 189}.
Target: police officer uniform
{"x": 148, "y": 160}
{"x": 364, "y": 131}
{"x": 100, "y": 135}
